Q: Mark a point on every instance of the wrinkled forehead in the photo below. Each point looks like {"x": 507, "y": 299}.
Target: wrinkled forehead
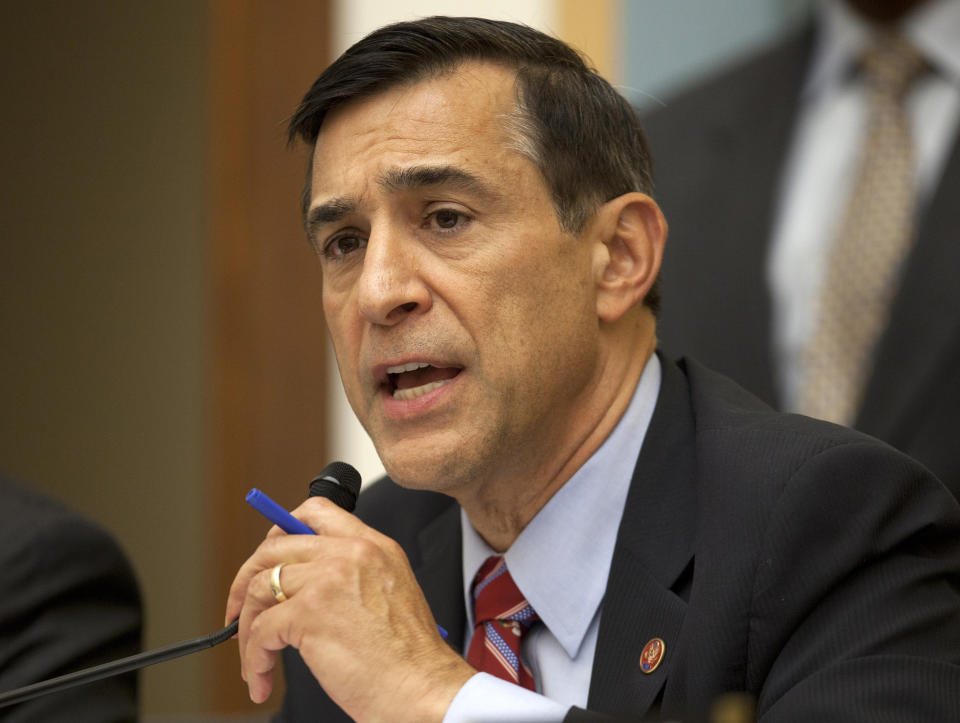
{"x": 466, "y": 114}
{"x": 476, "y": 89}
{"x": 463, "y": 67}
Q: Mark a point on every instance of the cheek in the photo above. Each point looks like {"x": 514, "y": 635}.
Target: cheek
{"x": 343, "y": 335}
{"x": 546, "y": 290}
{"x": 339, "y": 312}
{"x": 543, "y": 315}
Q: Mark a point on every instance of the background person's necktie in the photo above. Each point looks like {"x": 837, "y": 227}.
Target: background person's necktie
{"x": 873, "y": 239}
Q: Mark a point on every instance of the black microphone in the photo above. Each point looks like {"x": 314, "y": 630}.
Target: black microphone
{"x": 338, "y": 481}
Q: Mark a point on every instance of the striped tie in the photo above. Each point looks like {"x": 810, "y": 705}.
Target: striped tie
{"x": 502, "y": 616}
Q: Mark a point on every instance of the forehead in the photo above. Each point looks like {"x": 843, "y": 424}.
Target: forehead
{"x": 462, "y": 116}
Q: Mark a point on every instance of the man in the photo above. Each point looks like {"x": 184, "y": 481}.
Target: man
{"x": 753, "y": 170}
{"x": 655, "y": 537}
{"x": 69, "y": 601}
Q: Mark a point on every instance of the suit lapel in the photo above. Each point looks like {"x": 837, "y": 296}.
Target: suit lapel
{"x": 654, "y": 548}
{"x": 440, "y": 573}
{"x": 924, "y": 323}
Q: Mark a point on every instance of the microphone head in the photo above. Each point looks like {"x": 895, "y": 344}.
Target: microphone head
{"x": 339, "y": 482}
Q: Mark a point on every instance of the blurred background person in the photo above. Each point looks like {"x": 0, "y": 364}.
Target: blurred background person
{"x": 813, "y": 251}
{"x": 70, "y": 600}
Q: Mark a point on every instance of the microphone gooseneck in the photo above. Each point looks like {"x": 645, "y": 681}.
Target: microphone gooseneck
{"x": 338, "y": 481}
{"x": 118, "y": 667}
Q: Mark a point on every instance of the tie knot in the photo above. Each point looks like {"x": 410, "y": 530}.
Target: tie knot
{"x": 497, "y": 597}
{"x": 502, "y": 617}
{"x": 891, "y": 63}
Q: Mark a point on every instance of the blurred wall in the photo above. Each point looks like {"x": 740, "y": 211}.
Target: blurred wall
{"x": 102, "y": 302}
{"x": 161, "y": 341}
{"x": 667, "y": 45}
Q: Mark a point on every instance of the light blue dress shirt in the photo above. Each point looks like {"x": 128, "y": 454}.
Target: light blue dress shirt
{"x": 560, "y": 562}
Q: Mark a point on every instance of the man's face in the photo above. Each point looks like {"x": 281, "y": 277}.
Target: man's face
{"x": 463, "y": 318}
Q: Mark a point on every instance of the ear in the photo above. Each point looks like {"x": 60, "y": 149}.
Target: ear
{"x": 629, "y": 233}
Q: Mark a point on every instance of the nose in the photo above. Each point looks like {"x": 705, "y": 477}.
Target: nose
{"x": 391, "y": 287}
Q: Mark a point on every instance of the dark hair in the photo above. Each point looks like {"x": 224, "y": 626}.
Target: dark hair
{"x": 583, "y": 136}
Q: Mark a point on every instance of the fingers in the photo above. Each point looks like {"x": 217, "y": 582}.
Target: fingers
{"x": 318, "y": 557}
{"x": 323, "y": 561}
{"x": 350, "y": 596}
{"x": 357, "y": 616}
{"x": 258, "y": 664}
{"x": 267, "y": 626}
{"x": 260, "y": 599}
{"x": 273, "y": 550}
{"x": 319, "y": 514}
{"x": 326, "y": 518}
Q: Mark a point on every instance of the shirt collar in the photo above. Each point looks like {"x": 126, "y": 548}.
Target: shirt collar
{"x": 561, "y": 560}
{"x": 933, "y": 28}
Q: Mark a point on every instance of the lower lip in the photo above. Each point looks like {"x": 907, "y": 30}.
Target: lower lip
{"x": 405, "y": 408}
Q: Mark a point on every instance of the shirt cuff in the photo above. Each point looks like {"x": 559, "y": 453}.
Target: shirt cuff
{"x": 488, "y": 699}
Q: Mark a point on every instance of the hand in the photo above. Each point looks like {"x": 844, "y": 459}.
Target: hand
{"x": 355, "y": 613}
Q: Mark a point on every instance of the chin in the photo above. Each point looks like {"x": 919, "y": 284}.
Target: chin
{"x": 414, "y": 475}
{"x": 428, "y": 471}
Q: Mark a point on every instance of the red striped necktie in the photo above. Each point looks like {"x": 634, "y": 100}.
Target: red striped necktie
{"x": 502, "y": 616}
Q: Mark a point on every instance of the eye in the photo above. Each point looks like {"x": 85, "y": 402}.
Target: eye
{"x": 446, "y": 219}
{"x": 343, "y": 245}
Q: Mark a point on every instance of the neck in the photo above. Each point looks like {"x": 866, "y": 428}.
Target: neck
{"x": 501, "y": 509}
{"x": 884, "y": 11}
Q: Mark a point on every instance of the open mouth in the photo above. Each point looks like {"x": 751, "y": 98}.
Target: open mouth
{"x": 414, "y": 379}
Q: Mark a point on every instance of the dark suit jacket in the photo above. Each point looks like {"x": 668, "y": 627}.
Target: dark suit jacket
{"x": 813, "y": 567}
{"x": 718, "y": 151}
{"x": 68, "y": 600}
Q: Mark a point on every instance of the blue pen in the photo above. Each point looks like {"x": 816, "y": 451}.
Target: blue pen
{"x": 287, "y": 522}
{"x": 276, "y": 514}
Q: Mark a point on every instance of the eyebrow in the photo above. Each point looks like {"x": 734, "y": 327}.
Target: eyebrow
{"x": 414, "y": 177}
{"x": 330, "y": 212}
{"x": 397, "y": 180}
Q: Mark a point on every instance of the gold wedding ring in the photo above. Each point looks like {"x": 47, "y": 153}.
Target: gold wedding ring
{"x": 275, "y": 583}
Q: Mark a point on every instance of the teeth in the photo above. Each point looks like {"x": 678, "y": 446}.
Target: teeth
{"x": 408, "y": 367}
{"x": 415, "y": 392}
